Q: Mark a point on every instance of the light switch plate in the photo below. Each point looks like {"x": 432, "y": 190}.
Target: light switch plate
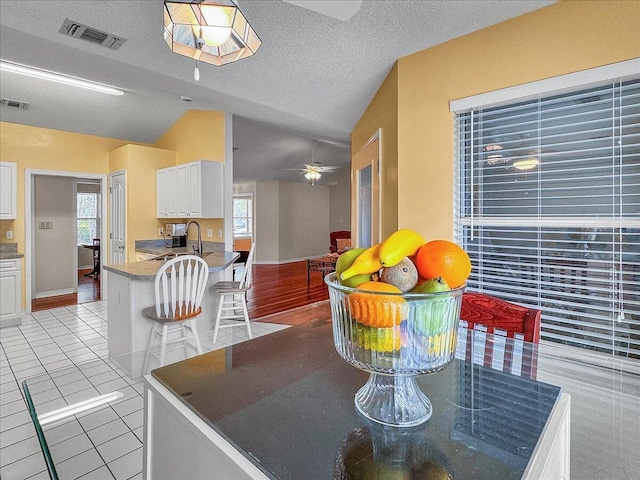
{"x": 9, "y": 234}
{"x": 209, "y": 232}
{"x": 160, "y": 231}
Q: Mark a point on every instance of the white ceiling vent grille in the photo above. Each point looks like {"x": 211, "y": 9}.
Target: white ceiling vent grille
{"x": 83, "y": 32}
{"x": 5, "y": 102}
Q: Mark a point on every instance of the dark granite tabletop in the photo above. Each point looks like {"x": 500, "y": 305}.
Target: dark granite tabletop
{"x": 286, "y": 401}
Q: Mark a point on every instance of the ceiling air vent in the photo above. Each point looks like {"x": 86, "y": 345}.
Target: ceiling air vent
{"x": 5, "y": 102}
{"x": 83, "y": 32}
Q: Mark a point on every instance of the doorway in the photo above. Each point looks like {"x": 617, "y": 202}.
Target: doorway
{"x": 51, "y": 243}
{"x": 366, "y": 202}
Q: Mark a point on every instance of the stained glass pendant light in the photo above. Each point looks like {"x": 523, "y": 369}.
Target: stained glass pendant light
{"x": 211, "y": 31}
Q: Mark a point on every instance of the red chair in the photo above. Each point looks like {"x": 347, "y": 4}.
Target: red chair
{"x": 333, "y": 239}
{"x": 478, "y": 308}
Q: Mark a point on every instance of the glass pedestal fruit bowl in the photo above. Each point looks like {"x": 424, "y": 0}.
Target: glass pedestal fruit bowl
{"x": 395, "y": 337}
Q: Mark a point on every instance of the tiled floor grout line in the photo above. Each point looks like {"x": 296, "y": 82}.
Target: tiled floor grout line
{"x": 61, "y": 335}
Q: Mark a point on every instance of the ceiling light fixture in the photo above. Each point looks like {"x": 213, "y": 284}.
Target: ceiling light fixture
{"x": 526, "y": 164}
{"x": 312, "y": 175}
{"x": 58, "y": 77}
{"x": 211, "y": 31}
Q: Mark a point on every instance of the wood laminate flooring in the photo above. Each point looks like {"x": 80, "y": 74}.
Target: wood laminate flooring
{"x": 276, "y": 288}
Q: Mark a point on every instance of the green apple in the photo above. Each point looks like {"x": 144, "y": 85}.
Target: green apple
{"x": 344, "y": 262}
{"x": 433, "y": 315}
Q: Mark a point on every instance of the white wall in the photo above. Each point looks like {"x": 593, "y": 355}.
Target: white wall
{"x": 340, "y": 200}
{"x": 304, "y": 220}
{"x": 54, "y": 248}
{"x": 293, "y": 220}
{"x": 267, "y": 222}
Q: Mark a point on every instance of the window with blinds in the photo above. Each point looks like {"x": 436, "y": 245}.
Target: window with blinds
{"x": 548, "y": 208}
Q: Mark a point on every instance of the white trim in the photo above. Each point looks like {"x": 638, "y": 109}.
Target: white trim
{"x": 554, "y": 84}
{"x": 56, "y": 293}
{"x": 29, "y": 174}
{"x": 587, "y": 222}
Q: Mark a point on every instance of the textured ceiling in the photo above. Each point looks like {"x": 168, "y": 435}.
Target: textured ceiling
{"x": 312, "y": 77}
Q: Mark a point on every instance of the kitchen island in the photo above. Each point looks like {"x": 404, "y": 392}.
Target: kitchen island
{"x": 130, "y": 288}
{"x": 282, "y": 407}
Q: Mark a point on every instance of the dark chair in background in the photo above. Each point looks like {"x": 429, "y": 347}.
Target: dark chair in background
{"x": 339, "y": 235}
{"x": 492, "y": 312}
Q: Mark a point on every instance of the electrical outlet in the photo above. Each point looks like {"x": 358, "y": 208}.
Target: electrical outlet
{"x": 219, "y": 233}
{"x": 160, "y": 231}
{"x": 9, "y": 234}
{"x": 209, "y": 232}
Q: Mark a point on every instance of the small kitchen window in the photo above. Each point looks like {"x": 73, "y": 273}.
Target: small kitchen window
{"x": 243, "y": 216}
{"x": 88, "y": 206}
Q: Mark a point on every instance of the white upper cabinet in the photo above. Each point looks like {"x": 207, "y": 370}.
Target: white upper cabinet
{"x": 166, "y": 199}
{"x": 8, "y": 190}
{"x": 198, "y": 190}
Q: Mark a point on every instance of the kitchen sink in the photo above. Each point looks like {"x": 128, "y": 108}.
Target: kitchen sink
{"x": 167, "y": 256}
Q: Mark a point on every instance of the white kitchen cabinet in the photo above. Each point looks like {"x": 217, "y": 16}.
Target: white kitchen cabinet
{"x": 166, "y": 192}
{"x": 10, "y": 292}
{"x": 8, "y": 190}
{"x": 199, "y": 189}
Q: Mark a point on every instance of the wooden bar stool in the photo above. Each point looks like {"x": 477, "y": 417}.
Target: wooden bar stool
{"x": 232, "y": 299}
{"x": 179, "y": 288}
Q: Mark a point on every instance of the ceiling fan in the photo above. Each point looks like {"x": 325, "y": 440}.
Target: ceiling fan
{"x": 313, "y": 171}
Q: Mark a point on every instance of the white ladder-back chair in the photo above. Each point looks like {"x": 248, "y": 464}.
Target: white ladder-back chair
{"x": 179, "y": 288}
{"x": 232, "y": 299}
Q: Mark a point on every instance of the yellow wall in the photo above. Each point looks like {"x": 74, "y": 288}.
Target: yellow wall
{"x": 566, "y": 37}
{"x": 197, "y": 135}
{"x": 141, "y": 163}
{"x": 44, "y": 149}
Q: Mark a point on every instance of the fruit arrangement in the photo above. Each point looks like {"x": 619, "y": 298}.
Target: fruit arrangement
{"x": 399, "y": 298}
{"x": 395, "y": 310}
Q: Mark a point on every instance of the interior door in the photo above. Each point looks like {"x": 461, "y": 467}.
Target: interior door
{"x": 364, "y": 207}
{"x": 118, "y": 204}
{"x": 367, "y": 198}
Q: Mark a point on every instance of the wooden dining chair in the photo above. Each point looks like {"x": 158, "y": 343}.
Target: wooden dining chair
{"x": 179, "y": 288}
{"x": 492, "y": 312}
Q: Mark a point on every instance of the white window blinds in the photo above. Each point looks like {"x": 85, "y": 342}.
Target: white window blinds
{"x": 548, "y": 207}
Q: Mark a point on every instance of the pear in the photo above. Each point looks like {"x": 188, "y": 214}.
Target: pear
{"x": 433, "y": 285}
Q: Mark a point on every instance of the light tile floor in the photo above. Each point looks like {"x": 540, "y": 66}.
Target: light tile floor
{"x": 106, "y": 444}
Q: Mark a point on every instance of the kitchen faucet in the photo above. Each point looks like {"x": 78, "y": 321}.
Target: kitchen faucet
{"x": 198, "y": 250}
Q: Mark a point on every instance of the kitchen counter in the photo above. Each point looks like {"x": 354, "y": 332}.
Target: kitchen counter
{"x": 146, "y": 270}
{"x": 130, "y": 288}
{"x": 9, "y": 251}
{"x": 282, "y": 407}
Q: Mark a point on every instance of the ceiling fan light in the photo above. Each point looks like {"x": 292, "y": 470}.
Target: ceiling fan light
{"x": 526, "y": 164}
{"x": 312, "y": 175}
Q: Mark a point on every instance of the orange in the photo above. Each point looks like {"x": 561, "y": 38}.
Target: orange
{"x": 378, "y": 310}
{"x": 441, "y": 258}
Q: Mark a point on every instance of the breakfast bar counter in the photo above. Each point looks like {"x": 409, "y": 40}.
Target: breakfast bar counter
{"x": 282, "y": 407}
{"x": 130, "y": 289}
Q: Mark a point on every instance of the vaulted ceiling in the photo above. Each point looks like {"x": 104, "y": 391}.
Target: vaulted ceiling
{"x": 312, "y": 78}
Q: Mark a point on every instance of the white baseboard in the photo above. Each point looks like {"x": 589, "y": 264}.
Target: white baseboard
{"x": 85, "y": 267}
{"x": 55, "y": 293}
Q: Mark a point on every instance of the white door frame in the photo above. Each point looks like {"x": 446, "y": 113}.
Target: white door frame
{"x": 29, "y": 174}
